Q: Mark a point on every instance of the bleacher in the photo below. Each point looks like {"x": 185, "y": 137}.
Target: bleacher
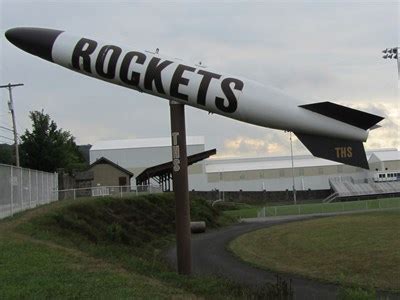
{"x": 347, "y": 187}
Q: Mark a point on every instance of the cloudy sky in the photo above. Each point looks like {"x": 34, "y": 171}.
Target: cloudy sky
{"x": 314, "y": 50}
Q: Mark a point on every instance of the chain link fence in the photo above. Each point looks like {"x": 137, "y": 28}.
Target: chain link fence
{"x": 112, "y": 191}
{"x": 21, "y": 189}
{"x": 321, "y": 208}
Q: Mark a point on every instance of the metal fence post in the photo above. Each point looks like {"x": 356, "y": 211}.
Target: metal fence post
{"x": 74, "y": 193}
{"x": 37, "y": 188}
{"x": 48, "y": 190}
{"x": 12, "y": 190}
{"x": 42, "y": 189}
{"x": 22, "y": 191}
{"x": 30, "y": 188}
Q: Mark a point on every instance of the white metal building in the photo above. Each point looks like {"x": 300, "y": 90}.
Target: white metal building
{"x": 275, "y": 173}
{"x": 247, "y": 174}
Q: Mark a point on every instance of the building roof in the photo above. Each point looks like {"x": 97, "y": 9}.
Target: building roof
{"x": 387, "y": 155}
{"x": 166, "y": 168}
{"x": 268, "y": 164}
{"x": 284, "y": 162}
{"x": 104, "y": 160}
{"x": 143, "y": 143}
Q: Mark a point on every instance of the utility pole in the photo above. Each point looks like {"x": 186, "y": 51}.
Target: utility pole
{"x": 11, "y": 108}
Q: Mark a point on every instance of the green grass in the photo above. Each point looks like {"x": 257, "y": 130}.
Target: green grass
{"x": 243, "y": 213}
{"x": 361, "y": 249}
{"x": 101, "y": 248}
{"x": 312, "y": 208}
{"x": 32, "y": 270}
{"x": 105, "y": 248}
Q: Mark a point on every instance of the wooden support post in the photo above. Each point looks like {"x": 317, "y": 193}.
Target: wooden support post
{"x": 180, "y": 186}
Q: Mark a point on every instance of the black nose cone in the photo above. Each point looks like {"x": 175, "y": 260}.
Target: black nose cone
{"x": 36, "y": 41}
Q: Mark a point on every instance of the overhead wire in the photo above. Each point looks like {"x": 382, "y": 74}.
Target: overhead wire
{"x": 7, "y": 138}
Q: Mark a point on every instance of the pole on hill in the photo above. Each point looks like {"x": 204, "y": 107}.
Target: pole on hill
{"x": 11, "y": 108}
{"x": 180, "y": 185}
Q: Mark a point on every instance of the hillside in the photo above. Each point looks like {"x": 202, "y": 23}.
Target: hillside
{"x": 104, "y": 247}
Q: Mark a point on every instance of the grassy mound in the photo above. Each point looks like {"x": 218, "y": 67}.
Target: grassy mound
{"x": 101, "y": 248}
{"x": 134, "y": 221}
{"x": 361, "y": 250}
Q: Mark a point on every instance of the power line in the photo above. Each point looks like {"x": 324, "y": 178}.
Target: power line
{"x": 2, "y": 127}
{"x": 7, "y": 138}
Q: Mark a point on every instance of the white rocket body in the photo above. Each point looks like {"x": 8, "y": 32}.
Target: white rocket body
{"x": 257, "y": 104}
{"x": 327, "y": 129}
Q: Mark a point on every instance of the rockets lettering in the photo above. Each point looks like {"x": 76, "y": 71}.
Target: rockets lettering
{"x": 84, "y": 53}
{"x": 327, "y": 129}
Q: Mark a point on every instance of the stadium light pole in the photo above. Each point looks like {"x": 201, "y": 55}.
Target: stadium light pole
{"x": 393, "y": 53}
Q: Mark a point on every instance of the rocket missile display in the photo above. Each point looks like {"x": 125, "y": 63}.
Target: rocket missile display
{"x": 328, "y": 130}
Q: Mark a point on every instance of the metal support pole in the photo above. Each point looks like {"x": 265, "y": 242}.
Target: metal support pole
{"x": 37, "y": 189}
{"x": 398, "y": 63}
{"x": 291, "y": 154}
{"x": 180, "y": 186}
{"x": 42, "y": 196}
{"x": 30, "y": 188}
{"x": 12, "y": 190}
{"x": 47, "y": 188}
{"x": 11, "y": 107}
{"x": 22, "y": 190}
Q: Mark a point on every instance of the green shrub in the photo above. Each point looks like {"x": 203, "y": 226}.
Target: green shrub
{"x": 356, "y": 293}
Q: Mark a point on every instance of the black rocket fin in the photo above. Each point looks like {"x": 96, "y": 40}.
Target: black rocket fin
{"x": 344, "y": 151}
{"x": 344, "y": 114}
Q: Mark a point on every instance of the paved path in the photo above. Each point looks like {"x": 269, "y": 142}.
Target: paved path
{"x": 211, "y": 257}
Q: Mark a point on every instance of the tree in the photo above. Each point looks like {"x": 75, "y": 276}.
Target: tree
{"x": 6, "y": 154}
{"x": 47, "y": 148}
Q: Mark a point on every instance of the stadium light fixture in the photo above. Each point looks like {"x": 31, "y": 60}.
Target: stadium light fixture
{"x": 393, "y": 53}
